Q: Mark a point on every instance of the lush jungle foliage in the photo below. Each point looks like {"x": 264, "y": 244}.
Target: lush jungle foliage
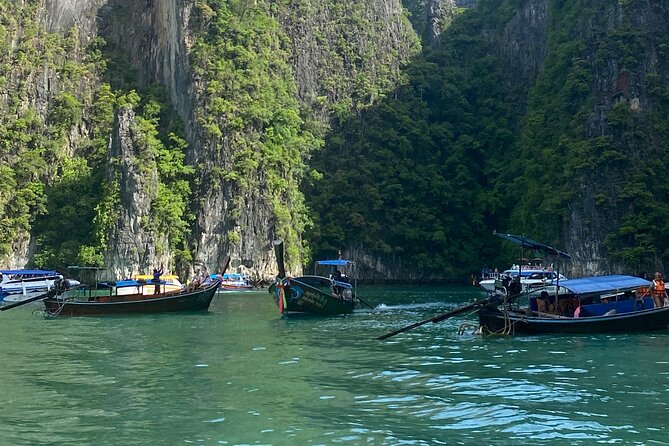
{"x": 251, "y": 111}
{"x": 411, "y": 177}
{"x": 462, "y": 150}
{"x": 69, "y": 200}
{"x": 424, "y": 172}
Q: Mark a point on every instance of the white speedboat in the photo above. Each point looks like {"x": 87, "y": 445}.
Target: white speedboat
{"x": 533, "y": 279}
{"x": 17, "y": 285}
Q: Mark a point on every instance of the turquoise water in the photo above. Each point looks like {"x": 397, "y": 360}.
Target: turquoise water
{"x": 242, "y": 375}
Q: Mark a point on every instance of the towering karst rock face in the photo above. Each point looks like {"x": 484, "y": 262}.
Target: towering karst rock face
{"x": 625, "y": 84}
{"x": 157, "y": 38}
{"x": 612, "y": 57}
{"x": 134, "y": 250}
{"x": 522, "y": 43}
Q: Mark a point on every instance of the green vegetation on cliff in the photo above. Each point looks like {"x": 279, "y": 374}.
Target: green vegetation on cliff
{"x": 250, "y": 109}
{"x": 422, "y": 172}
{"x": 60, "y": 188}
{"x": 408, "y": 178}
{"x": 463, "y": 148}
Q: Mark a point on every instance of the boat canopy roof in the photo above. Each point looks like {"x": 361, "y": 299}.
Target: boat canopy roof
{"x": 525, "y": 242}
{"x": 40, "y": 272}
{"x": 233, "y": 276}
{"x": 337, "y": 262}
{"x": 128, "y": 282}
{"x": 603, "y": 284}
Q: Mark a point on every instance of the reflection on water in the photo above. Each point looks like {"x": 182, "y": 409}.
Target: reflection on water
{"x": 241, "y": 374}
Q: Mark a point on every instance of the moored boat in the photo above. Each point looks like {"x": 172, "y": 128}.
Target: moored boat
{"x": 233, "y": 282}
{"x": 146, "y": 284}
{"x": 17, "y": 285}
{"x": 314, "y": 294}
{"x": 185, "y": 299}
{"x": 534, "y": 277}
{"x": 600, "y": 304}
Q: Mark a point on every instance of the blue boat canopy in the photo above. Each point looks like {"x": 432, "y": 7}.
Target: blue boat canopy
{"x": 525, "y": 242}
{"x": 603, "y": 284}
{"x": 337, "y": 262}
{"x": 128, "y": 282}
{"x": 39, "y": 272}
{"x": 232, "y": 276}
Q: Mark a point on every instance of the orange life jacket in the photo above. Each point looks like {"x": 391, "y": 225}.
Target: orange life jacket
{"x": 658, "y": 288}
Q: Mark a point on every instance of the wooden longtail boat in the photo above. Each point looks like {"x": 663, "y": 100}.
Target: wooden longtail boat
{"x": 597, "y": 304}
{"x": 496, "y": 320}
{"x": 233, "y": 282}
{"x": 188, "y": 299}
{"x": 588, "y": 305}
{"x": 600, "y": 304}
{"x": 318, "y": 295}
{"x": 309, "y": 294}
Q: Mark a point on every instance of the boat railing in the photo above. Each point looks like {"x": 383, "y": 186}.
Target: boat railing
{"x": 488, "y": 275}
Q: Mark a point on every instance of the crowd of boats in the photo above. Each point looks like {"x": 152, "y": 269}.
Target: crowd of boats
{"x": 139, "y": 294}
{"x": 527, "y": 298}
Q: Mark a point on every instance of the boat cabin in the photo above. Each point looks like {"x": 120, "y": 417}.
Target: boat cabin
{"x": 339, "y": 275}
{"x": 594, "y": 296}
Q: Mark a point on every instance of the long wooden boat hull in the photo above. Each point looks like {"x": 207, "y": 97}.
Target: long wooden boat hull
{"x": 186, "y": 300}
{"x": 308, "y": 299}
{"x": 495, "y": 320}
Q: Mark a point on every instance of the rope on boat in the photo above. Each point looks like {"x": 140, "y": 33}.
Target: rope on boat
{"x": 508, "y": 327}
{"x": 468, "y": 325}
{"x": 61, "y": 305}
{"x": 504, "y": 331}
{"x": 55, "y": 313}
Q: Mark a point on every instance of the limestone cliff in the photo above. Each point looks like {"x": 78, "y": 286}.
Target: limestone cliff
{"x": 342, "y": 57}
{"x": 134, "y": 247}
{"x": 613, "y": 59}
{"x": 157, "y": 39}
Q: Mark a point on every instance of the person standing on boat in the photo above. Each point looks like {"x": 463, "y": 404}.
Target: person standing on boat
{"x": 658, "y": 290}
{"x": 337, "y": 279}
{"x": 156, "y": 278}
{"x": 515, "y": 288}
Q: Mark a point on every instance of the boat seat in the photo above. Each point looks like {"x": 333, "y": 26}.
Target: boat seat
{"x": 621, "y": 306}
